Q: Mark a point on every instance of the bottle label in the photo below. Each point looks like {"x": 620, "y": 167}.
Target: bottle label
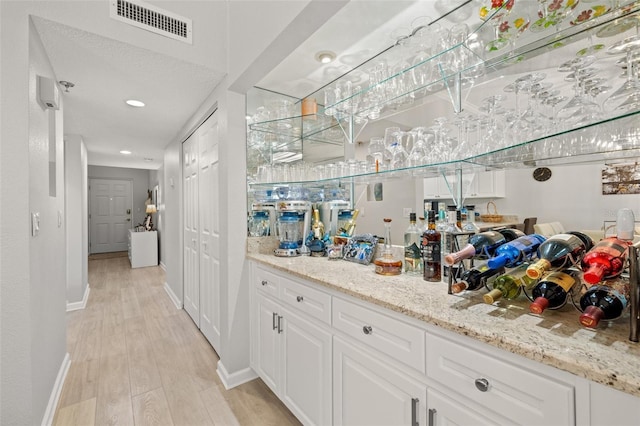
{"x": 521, "y": 244}
{"x": 412, "y": 251}
{"x": 565, "y": 281}
{"x": 431, "y": 252}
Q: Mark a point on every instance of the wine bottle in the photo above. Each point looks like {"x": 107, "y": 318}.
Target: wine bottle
{"x": 387, "y": 263}
{"x": 559, "y": 251}
{"x": 605, "y": 260}
{"x": 317, "y": 228}
{"x": 604, "y": 302}
{"x": 431, "y": 260}
{"x": 412, "y": 253}
{"x": 350, "y": 226}
{"x": 551, "y": 291}
{"x": 475, "y": 278}
{"x": 448, "y": 240}
{"x": 483, "y": 243}
{"x": 511, "y": 234}
{"x": 509, "y": 285}
{"x": 515, "y": 252}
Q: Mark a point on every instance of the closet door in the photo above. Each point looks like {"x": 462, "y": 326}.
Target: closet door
{"x": 191, "y": 244}
{"x": 209, "y": 214}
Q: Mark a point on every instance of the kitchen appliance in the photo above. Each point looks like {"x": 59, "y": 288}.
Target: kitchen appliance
{"x": 330, "y": 214}
{"x": 293, "y": 222}
{"x": 258, "y": 212}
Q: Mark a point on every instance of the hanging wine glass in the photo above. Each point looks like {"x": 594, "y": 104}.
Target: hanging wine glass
{"x": 424, "y": 34}
{"x": 401, "y": 84}
{"x": 552, "y": 13}
{"x": 587, "y": 12}
{"x": 507, "y": 29}
{"x": 627, "y": 97}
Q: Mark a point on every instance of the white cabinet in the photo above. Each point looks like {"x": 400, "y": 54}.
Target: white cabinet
{"x": 143, "y": 248}
{"x": 367, "y": 391}
{"x": 292, "y": 350}
{"x": 443, "y": 410}
{"x": 490, "y": 184}
{"x": 609, "y": 406}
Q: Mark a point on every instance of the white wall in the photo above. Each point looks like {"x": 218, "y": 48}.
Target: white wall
{"x": 141, "y": 185}
{"x": 76, "y": 220}
{"x": 33, "y": 282}
{"x": 171, "y": 237}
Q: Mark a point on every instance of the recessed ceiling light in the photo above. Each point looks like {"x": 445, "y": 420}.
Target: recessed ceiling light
{"x": 325, "y": 56}
{"x": 125, "y": 152}
{"x": 135, "y": 103}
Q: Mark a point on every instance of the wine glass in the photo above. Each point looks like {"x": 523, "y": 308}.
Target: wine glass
{"x": 626, "y": 97}
{"x": 552, "y": 13}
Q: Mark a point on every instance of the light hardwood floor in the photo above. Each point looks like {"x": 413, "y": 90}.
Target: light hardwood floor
{"x": 137, "y": 360}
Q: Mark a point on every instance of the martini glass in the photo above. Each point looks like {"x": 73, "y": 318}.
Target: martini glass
{"x": 627, "y": 97}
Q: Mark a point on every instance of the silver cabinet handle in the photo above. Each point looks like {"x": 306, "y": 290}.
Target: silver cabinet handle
{"x": 299, "y": 298}
{"x": 367, "y": 329}
{"x": 432, "y": 416}
{"x": 482, "y": 385}
{"x": 279, "y": 324}
{"x": 275, "y": 316}
{"x": 264, "y": 282}
{"x": 415, "y": 404}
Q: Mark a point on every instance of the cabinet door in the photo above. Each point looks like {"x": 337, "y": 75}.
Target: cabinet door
{"x": 306, "y": 369}
{"x": 367, "y": 391}
{"x": 268, "y": 350}
{"x": 445, "y": 411}
{"x": 488, "y": 184}
{"x": 431, "y": 188}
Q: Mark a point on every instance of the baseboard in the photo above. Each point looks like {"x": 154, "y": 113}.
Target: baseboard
{"x": 163, "y": 266}
{"x": 47, "y": 420}
{"x": 74, "y": 306}
{"x": 230, "y": 381}
{"x": 176, "y": 301}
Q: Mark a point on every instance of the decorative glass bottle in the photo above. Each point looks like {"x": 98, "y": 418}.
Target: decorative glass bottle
{"x": 387, "y": 263}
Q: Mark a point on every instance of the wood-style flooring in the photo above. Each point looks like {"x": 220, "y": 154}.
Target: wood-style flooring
{"x": 137, "y": 360}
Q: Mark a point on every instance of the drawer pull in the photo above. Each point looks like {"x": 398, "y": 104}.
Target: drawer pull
{"x": 415, "y": 404}
{"x": 482, "y": 385}
{"x": 264, "y": 282}
{"x": 432, "y": 416}
{"x": 299, "y": 298}
{"x": 275, "y": 316}
{"x": 279, "y": 324}
{"x": 367, "y": 329}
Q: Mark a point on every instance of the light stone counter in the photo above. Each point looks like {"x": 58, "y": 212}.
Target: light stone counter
{"x": 604, "y": 355}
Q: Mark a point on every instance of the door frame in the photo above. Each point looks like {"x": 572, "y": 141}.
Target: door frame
{"x": 89, "y": 179}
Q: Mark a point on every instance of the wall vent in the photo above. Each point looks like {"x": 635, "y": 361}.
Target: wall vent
{"x": 151, "y": 18}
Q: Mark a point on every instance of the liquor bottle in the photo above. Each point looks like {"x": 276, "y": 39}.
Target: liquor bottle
{"x": 317, "y": 228}
{"x": 509, "y": 285}
{"x": 448, "y": 241}
{"x": 350, "y": 226}
{"x": 484, "y": 243}
{"x": 604, "y": 302}
{"x": 431, "y": 253}
{"x": 387, "y": 263}
{"x": 441, "y": 222}
{"x": 517, "y": 251}
{"x": 605, "y": 260}
{"x": 511, "y": 234}
{"x": 559, "y": 251}
{"x": 412, "y": 253}
{"x": 475, "y": 278}
{"x": 551, "y": 291}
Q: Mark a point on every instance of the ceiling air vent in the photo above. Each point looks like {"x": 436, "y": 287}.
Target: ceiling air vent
{"x": 151, "y": 18}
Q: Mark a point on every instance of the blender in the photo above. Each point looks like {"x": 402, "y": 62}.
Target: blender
{"x": 330, "y": 214}
{"x": 260, "y": 211}
{"x": 293, "y": 221}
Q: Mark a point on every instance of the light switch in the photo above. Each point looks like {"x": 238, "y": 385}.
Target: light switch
{"x": 35, "y": 224}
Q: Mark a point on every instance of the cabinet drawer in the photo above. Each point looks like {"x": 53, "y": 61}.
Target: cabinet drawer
{"x": 312, "y": 302}
{"x": 266, "y": 281}
{"x": 523, "y": 396}
{"x": 392, "y": 337}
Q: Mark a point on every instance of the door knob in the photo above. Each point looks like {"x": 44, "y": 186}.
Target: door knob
{"x": 128, "y": 219}
{"x": 482, "y": 385}
{"x": 367, "y": 329}
{"x": 299, "y": 298}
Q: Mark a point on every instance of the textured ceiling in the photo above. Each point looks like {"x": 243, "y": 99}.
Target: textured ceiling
{"x": 107, "y": 72}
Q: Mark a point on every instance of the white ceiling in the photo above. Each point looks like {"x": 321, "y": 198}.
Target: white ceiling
{"x": 106, "y": 72}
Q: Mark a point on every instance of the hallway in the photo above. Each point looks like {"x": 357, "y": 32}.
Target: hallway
{"x": 137, "y": 360}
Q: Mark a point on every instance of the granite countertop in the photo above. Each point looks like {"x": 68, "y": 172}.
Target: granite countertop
{"x": 556, "y": 338}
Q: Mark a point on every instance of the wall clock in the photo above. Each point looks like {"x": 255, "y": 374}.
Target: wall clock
{"x": 542, "y": 174}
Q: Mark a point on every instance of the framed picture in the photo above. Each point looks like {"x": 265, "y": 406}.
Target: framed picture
{"x": 620, "y": 179}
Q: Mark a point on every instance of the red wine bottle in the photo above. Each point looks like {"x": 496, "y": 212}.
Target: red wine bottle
{"x": 552, "y": 291}
{"x": 605, "y": 260}
{"x": 603, "y": 302}
{"x": 475, "y": 278}
{"x": 481, "y": 243}
{"x": 559, "y": 251}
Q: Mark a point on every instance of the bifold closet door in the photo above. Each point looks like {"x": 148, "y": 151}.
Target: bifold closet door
{"x": 191, "y": 244}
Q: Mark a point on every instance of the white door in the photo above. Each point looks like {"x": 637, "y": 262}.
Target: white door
{"x": 268, "y": 343}
{"x": 110, "y": 204}
{"x": 306, "y": 369}
{"x": 367, "y": 391}
{"x": 209, "y": 234}
{"x": 191, "y": 282}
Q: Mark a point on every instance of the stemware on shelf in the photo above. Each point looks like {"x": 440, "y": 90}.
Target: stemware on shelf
{"x": 627, "y": 96}
{"x": 551, "y": 13}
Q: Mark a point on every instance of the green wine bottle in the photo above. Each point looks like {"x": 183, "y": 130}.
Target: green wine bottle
{"x": 510, "y": 285}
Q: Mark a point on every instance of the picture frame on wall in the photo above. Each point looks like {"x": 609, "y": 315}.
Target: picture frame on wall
{"x": 621, "y": 179}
